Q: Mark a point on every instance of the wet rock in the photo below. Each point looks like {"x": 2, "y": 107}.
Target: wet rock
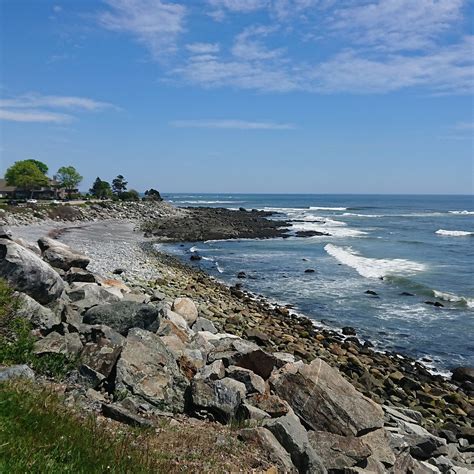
{"x": 241, "y": 275}
{"x": 195, "y": 258}
{"x": 124, "y": 315}
{"x": 186, "y": 308}
{"x": 27, "y": 273}
{"x": 148, "y": 370}
{"x": 291, "y": 434}
{"x": 60, "y": 255}
{"x": 406, "y": 293}
{"x": 338, "y": 452}
{"x": 349, "y": 331}
{"x": 15, "y": 372}
{"x": 270, "y": 445}
{"x": 371, "y": 292}
{"x": 324, "y": 400}
{"x": 435, "y": 303}
{"x": 463, "y": 374}
{"x": 310, "y": 270}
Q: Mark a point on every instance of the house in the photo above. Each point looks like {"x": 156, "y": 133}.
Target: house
{"x": 53, "y": 191}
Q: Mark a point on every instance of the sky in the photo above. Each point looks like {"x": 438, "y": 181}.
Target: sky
{"x": 270, "y": 96}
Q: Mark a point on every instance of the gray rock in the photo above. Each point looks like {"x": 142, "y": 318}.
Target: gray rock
{"x": 270, "y": 445}
{"x": 253, "y": 382}
{"x": 203, "y": 324}
{"x": 338, "y": 452}
{"x": 118, "y": 413}
{"x": 60, "y": 255}
{"x": 214, "y": 371}
{"x": 219, "y": 398}
{"x": 87, "y": 295}
{"x": 80, "y": 275}
{"x": 443, "y": 463}
{"x": 27, "y": 273}
{"x": 186, "y": 308}
{"x": 379, "y": 443}
{"x": 293, "y": 437}
{"x": 44, "y": 319}
{"x": 55, "y": 343}
{"x": 124, "y": 315}
{"x": 148, "y": 370}
{"x": 16, "y": 371}
{"x": 324, "y": 400}
{"x": 137, "y": 298}
{"x": 249, "y": 412}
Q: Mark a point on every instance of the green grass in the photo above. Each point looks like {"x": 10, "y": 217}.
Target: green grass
{"x": 38, "y": 434}
{"x": 17, "y": 343}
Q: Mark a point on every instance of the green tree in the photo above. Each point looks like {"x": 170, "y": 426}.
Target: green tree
{"x": 101, "y": 189}
{"x": 68, "y": 178}
{"x": 119, "y": 185}
{"x": 26, "y": 175}
{"x": 43, "y": 167}
{"x": 131, "y": 195}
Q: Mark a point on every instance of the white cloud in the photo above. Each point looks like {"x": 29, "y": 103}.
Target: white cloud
{"x": 397, "y": 24}
{"x": 232, "y": 124}
{"x": 249, "y": 47}
{"x": 241, "y": 6}
{"x": 44, "y": 108}
{"x": 51, "y": 101}
{"x": 154, "y": 23}
{"x": 203, "y": 48}
{"x": 33, "y": 116}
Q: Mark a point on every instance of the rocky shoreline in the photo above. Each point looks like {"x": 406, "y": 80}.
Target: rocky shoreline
{"x": 273, "y": 340}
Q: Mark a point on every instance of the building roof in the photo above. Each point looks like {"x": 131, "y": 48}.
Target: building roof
{"x": 5, "y": 188}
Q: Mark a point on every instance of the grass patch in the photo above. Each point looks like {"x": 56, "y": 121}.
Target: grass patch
{"x": 38, "y": 433}
{"x": 17, "y": 342}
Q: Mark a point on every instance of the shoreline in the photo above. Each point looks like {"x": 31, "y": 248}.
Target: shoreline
{"x": 381, "y": 376}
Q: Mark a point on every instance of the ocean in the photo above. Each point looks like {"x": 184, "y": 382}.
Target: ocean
{"x": 408, "y": 250}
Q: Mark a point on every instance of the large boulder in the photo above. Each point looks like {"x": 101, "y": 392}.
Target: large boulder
{"x": 217, "y": 398}
{"x": 148, "y": 370}
{"x": 338, "y": 452}
{"x": 15, "y": 372}
{"x": 124, "y": 315}
{"x": 42, "y": 318}
{"x": 60, "y": 255}
{"x": 27, "y": 273}
{"x": 291, "y": 434}
{"x": 86, "y": 295}
{"x": 186, "y": 308}
{"x": 324, "y": 400}
{"x": 55, "y": 343}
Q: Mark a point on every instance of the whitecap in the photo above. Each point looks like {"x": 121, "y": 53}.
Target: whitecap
{"x": 373, "y": 267}
{"x": 454, "y": 233}
{"x": 320, "y": 208}
{"x": 352, "y": 214}
{"x": 334, "y": 228}
{"x": 469, "y": 302}
{"x": 193, "y": 249}
{"x": 465, "y": 212}
{"x": 219, "y": 268}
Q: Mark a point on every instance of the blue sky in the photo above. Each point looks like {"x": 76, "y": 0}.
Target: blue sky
{"x": 310, "y": 96}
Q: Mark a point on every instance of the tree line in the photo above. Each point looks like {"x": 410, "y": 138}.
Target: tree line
{"x": 30, "y": 175}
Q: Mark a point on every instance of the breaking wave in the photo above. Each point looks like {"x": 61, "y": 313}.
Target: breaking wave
{"x": 454, "y": 233}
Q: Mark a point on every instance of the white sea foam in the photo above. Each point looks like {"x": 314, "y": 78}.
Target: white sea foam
{"x": 373, "y": 267}
{"x": 469, "y": 302}
{"x": 465, "y": 212}
{"x": 219, "y": 268}
{"x": 454, "y": 233}
{"x": 193, "y": 249}
{"x": 352, "y": 214}
{"x": 211, "y": 202}
{"x": 334, "y": 228}
{"x": 320, "y": 208}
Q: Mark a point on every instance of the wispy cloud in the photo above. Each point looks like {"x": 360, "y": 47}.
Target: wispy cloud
{"x": 376, "y": 46}
{"x": 33, "y": 116}
{"x": 154, "y": 23}
{"x": 232, "y": 124}
{"x": 47, "y": 108}
{"x": 397, "y": 24}
{"x": 467, "y": 126}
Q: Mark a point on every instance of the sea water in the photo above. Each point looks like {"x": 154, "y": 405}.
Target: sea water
{"x": 409, "y": 250}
